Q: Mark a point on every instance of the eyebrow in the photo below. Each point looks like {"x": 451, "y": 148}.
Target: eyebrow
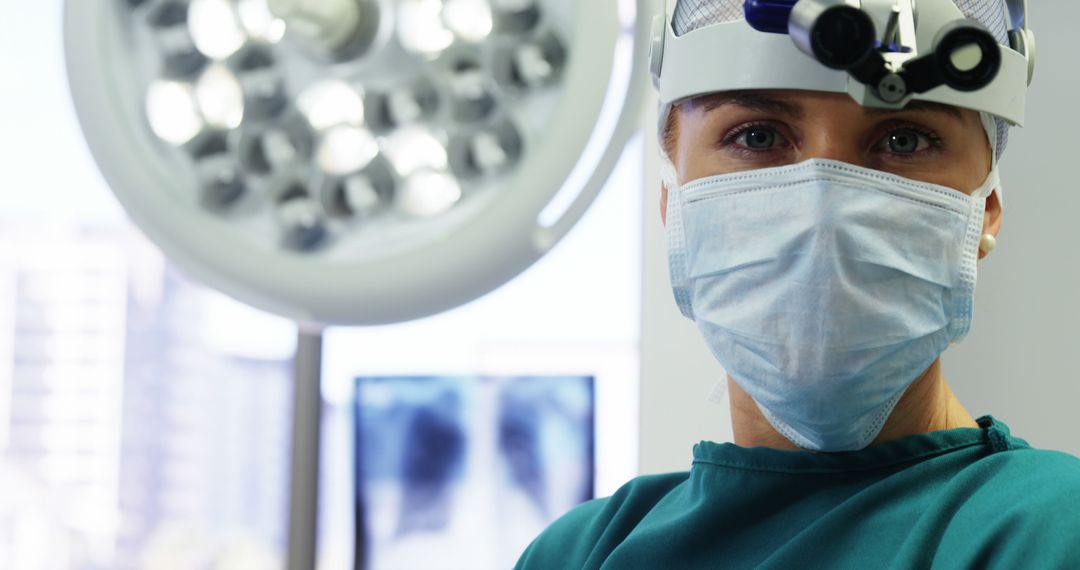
{"x": 750, "y": 101}
{"x": 767, "y": 104}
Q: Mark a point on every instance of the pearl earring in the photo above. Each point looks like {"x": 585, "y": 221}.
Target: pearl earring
{"x": 988, "y": 243}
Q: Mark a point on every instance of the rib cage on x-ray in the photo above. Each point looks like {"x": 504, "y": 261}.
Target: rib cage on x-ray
{"x": 432, "y": 456}
{"x": 452, "y": 467}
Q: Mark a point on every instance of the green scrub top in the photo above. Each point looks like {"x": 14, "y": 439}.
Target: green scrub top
{"x": 962, "y": 498}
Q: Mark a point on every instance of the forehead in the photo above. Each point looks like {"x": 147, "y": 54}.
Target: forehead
{"x": 798, "y": 104}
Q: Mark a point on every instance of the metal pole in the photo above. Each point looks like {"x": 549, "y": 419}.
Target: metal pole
{"x": 304, "y": 483}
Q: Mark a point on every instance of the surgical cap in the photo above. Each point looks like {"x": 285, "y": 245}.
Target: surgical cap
{"x": 994, "y": 14}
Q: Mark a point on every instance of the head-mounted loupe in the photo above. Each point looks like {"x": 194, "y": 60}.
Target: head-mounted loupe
{"x": 841, "y": 35}
{"x": 884, "y": 53}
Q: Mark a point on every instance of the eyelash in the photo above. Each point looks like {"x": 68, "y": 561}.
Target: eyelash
{"x": 935, "y": 141}
{"x": 731, "y": 137}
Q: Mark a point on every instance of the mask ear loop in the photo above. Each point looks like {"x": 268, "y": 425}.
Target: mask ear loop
{"x": 992, "y": 183}
{"x": 969, "y": 270}
{"x": 676, "y": 241}
{"x": 719, "y": 393}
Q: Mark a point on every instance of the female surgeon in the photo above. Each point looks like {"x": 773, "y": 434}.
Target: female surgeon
{"x": 825, "y": 216}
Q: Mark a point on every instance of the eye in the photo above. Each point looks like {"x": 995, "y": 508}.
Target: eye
{"x": 906, "y": 141}
{"x": 754, "y": 138}
{"x": 758, "y": 138}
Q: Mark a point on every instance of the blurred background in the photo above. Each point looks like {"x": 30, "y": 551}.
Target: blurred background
{"x": 145, "y": 419}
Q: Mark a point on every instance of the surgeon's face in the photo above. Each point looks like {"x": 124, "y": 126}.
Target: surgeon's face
{"x": 746, "y": 130}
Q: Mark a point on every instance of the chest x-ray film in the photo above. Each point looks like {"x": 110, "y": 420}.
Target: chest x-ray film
{"x": 456, "y": 472}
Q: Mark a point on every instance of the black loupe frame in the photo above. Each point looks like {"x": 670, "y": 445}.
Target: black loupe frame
{"x": 956, "y": 36}
{"x": 842, "y": 37}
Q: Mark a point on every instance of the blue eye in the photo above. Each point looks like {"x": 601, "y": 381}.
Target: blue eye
{"x": 904, "y": 141}
{"x": 758, "y": 138}
{"x": 909, "y": 141}
{"x": 754, "y": 138}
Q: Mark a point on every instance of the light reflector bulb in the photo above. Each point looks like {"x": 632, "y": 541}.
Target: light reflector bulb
{"x": 471, "y": 20}
{"x": 532, "y": 66}
{"x": 222, "y": 184}
{"x": 302, "y": 221}
{"x": 344, "y": 150}
{"x": 421, "y": 27}
{"x": 470, "y": 84}
{"x": 403, "y": 107}
{"x": 220, "y": 97}
{"x": 325, "y": 23}
{"x": 359, "y": 195}
{"x": 279, "y": 150}
{"x": 429, "y": 193}
{"x": 173, "y": 112}
{"x": 488, "y": 153}
{"x": 259, "y": 22}
{"x": 412, "y": 149}
{"x": 215, "y": 28}
{"x": 331, "y": 103}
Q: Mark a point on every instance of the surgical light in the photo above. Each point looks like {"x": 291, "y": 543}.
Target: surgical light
{"x": 470, "y": 115}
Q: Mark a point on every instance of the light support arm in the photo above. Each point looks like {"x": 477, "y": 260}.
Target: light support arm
{"x": 304, "y": 468}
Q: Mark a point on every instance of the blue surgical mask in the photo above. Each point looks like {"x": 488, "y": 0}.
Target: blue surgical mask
{"x": 825, "y": 289}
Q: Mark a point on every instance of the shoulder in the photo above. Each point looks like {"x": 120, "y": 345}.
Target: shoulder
{"x": 1021, "y": 510}
{"x": 1025, "y": 479}
{"x": 1041, "y": 473}
{"x": 593, "y": 529}
{"x": 1036, "y": 487}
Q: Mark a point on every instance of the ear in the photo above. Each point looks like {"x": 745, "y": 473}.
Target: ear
{"x": 663, "y": 203}
{"x": 992, "y": 218}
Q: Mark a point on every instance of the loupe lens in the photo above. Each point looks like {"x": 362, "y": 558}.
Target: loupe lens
{"x": 842, "y": 36}
{"x": 968, "y": 56}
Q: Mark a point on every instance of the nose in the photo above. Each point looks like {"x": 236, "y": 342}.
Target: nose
{"x": 831, "y": 141}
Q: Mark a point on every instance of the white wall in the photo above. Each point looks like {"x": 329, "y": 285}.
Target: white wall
{"x": 1019, "y": 363}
